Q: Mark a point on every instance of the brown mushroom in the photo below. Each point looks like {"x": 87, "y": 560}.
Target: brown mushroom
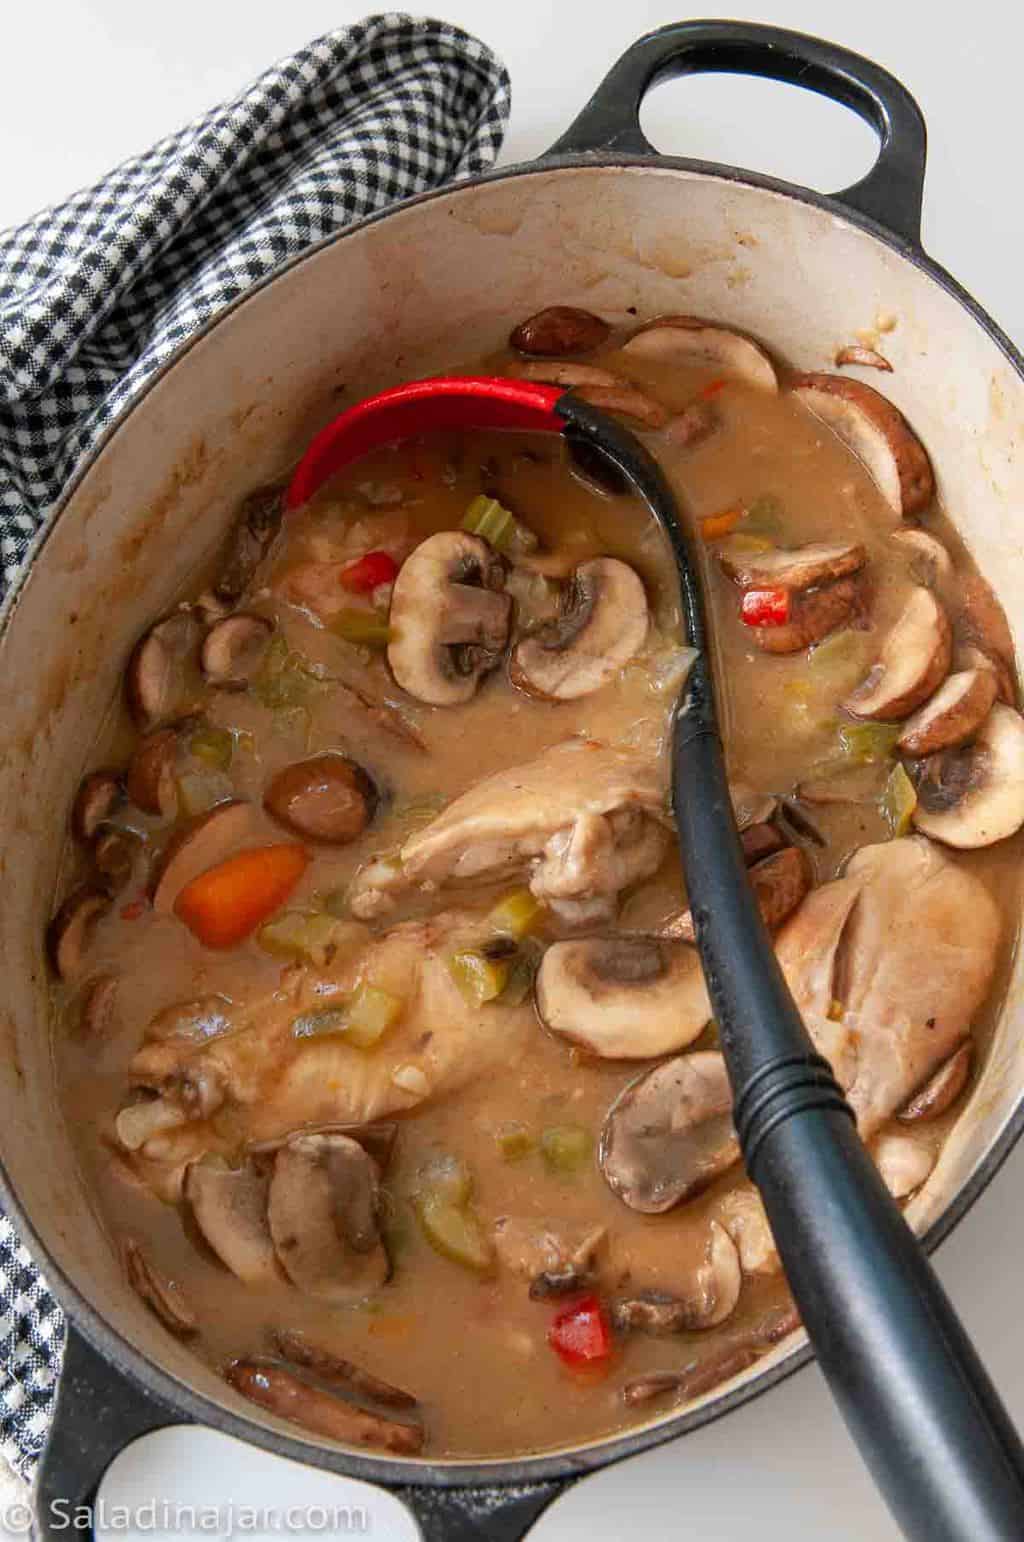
{"x": 323, "y": 1210}
{"x": 983, "y": 619}
{"x": 779, "y": 883}
{"x": 622, "y": 997}
{"x": 865, "y": 358}
{"x": 602, "y": 624}
{"x": 377, "y": 1139}
{"x": 328, "y": 799}
{"x": 971, "y": 656}
{"x": 99, "y": 1006}
{"x": 760, "y": 840}
{"x": 813, "y": 614}
{"x": 114, "y": 854}
{"x": 692, "y": 340}
{"x": 799, "y": 567}
{"x": 942, "y": 1088}
{"x": 559, "y": 329}
{"x": 280, "y": 1391}
{"x": 328, "y": 1366}
{"x": 877, "y": 433}
{"x": 229, "y": 1205}
{"x": 155, "y": 675}
{"x": 904, "y": 1161}
{"x": 669, "y": 1133}
{"x": 151, "y": 777}
{"x": 70, "y": 932}
{"x": 953, "y": 715}
{"x": 259, "y": 522}
{"x": 233, "y": 650}
{"x": 96, "y": 799}
{"x": 164, "y": 1297}
{"x": 627, "y": 402}
{"x": 200, "y": 844}
{"x": 449, "y": 618}
{"x": 974, "y": 795}
{"x": 716, "y": 1290}
{"x": 929, "y": 561}
{"x": 707, "y": 1373}
{"x": 914, "y": 661}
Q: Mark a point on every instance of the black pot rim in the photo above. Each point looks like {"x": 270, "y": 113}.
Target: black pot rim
{"x": 196, "y": 1407}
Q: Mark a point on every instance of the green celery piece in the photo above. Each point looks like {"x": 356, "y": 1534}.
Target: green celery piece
{"x": 899, "y": 800}
{"x": 868, "y": 742}
{"x": 565, "y": 1147}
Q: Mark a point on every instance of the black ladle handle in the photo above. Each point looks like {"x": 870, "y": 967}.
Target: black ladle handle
{"x": 914, "y": 1393}
{"x": 891, "y": 191}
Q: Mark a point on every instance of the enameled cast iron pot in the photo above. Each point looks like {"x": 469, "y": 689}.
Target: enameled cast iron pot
{"x": 600, "y": 221}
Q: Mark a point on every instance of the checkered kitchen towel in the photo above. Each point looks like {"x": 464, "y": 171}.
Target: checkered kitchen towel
{"x": 96, "y": 294}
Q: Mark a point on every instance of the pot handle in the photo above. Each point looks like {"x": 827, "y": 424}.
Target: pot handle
{"x": 99, "y": 1411}
{"x": 891, "y": 192}
{"x": 480, "y": 1514}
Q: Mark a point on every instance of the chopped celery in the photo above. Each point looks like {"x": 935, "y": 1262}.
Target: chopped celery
{"x": 286, "y": 679}
{"x": 455, "y": 1232}
{"x": 743, "y": 545}
{"x": 899, "y": 800}
{"x": 516, "y": 914}
{"x": 490, "y": 519}
{"x": 764, "y": 516}
{"x": 245, "y": 740}
{"x": 420, "y": 811}
{"x": 519, "y": 984}
{"x": 302, "y": 934}
{"x": 201, "y": 790}
{"x": 479, "y": 978}
{"x": 336, "y": 904}
{"x": 312, "y": 1025}
{"x": 514, "y": 1142}
{"x": 565, "y": 1147}
{"x": 213, "y": 746}
{"x": 839, "y": 648}
{"x": 371, "y": 1012}
{"x": 447, "y": 1177}
{"x": 366, "y": 628}
{"x": 868, "y": 742}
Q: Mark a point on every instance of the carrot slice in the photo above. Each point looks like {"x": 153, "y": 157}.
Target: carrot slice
{"x": 227, "y": 902}
{"x": 714, "y": 526}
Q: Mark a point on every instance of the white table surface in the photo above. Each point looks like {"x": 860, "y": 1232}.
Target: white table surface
{"x": 88, "y": 82}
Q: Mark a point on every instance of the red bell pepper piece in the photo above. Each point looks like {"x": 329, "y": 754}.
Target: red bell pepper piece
{"x": 765, "y": 607}
{"x": 363, "y": 575}
{"x": 580, "y": 1334}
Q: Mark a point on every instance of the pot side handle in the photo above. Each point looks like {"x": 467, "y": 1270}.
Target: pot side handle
{"x": 99, "y": 1412}
{"x": 891, "y": 192}
{"x": 480, "y": 1514}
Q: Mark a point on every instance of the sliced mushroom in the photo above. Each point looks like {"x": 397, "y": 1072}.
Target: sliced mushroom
{"x": 669, "y": 1133}
{"x": 559, "y": 329}
{"x": 760, "y": 840}
{"x": 716, "y": 1290}
{"x": 155, "y": 676}
{"x": 743, "y": 1215}
{"x": 691, "y": 426}
{"x": 622, "y": 997}
{"x": 163, "y": 1296}
{"x": 930, "y": 562}
{"x": 904, "y": 1161}
{"x": 942, "y": 1089}
{"x": 328, "y": 799}
{"x": 449, "y": 618}
{"x": 691, "y": 340}
{"x": 150, "y": 780}
{"x": 70, "y": 932}
{"x": 300, "y": 1401}
{"x": 983, "y": 619}
{"x": 974, "y": 795}
{"x": 877, "y": 433}
{"x": 377, "y": 1139}
{"x": 233, "y": 650}
{"x": 199, "y": 845}
{"x": 914, "y": 661}
{"x": 813, "y": 614}
{"x": 229, "y": 1205}
{"x": 628, "y": 402}
{"x": 99, "y": 1006}
{"x": 114, "y": 854}
{"x": 568, "y": 375}
{"x": 953, "y": 715}
{"x": 547, "y": 1253}
{"x": 779, "y": 883}
{"x": 95, "y": 801}
{"x": 866, "y": 358}
{"x": 970, "y": 656}
{"x": 323, "y": 1211}
{"x": 720, "y": 1365}
{"x": 294, "y": 1346}
{"x": 800, "y": 567}
{"x": 258, "y": 524}
{"x": 602, "y": 625}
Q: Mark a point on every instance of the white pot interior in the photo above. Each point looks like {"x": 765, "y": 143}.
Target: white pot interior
{"x": 428, "y": 287}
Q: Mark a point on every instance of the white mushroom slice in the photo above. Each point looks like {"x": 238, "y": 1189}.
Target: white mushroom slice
{"x": 877, "y": 433}
{"x": 712, "y": 1298}
{"x": 800, "y": 567}
{"x": 230, "y": 1208}
{"x": 904, "y": 1161}
{"x": 449, "y": 618}
{"x": 941, "y": 1090}
{"x": 535, "y": 1250}
{"x": 623, "y": 998}
{"x": 163, "y": 1296}
{"x": 201, "y": 844}
{"x": 691, "y": 340}
{"x": 953, "y": 715}
{"x": 930, "y": 562}
{"x": 974, "y": 796}
{"x": 669, "y": 1133}
{"x": 323, "y": 1210}
{"x": 602, "y": 624}
{"x": 233, "y": 649}
{"x": 914, "y": 661}
{"x": 742, "y": 1213}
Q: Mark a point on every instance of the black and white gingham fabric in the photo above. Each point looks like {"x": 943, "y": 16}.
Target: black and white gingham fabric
{"x": 95, "y": 294}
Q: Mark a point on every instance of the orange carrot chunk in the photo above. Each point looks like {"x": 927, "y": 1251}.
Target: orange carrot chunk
{"x": 227, "y": 902}
{"x": 714, "y": 526}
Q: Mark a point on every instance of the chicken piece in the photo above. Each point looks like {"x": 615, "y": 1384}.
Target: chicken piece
{"x": 584, "y": 821}
{"x": 889, "y": 965}
{"x": 273, "y": 1080}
